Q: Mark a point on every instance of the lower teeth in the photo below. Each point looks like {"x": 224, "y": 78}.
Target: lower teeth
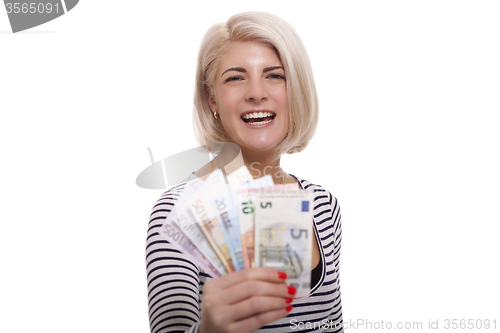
{"x": 261, "y": 122}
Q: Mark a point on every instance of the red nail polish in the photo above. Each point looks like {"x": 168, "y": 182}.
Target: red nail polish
{"x": 292, "y": 290}
{"x": 289, "y": 300}
{"x": 282, "y": 275}
{"x": 289, "y": 308}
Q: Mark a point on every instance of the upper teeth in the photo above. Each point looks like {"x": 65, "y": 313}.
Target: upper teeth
{"x": 258, "y": 115}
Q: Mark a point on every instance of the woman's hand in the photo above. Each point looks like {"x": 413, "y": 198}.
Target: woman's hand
{"x": 244, "y": 301}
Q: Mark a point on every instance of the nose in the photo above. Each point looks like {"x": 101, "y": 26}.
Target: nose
{"x": 257, "y": 91}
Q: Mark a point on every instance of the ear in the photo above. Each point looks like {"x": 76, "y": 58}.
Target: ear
{"x": 211, "y": 100}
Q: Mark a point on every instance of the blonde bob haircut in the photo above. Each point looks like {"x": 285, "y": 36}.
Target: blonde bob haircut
{"x": 301, "y": 90}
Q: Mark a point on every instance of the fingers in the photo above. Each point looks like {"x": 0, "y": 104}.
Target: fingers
{"x": 257, "y": 305}
{"x": 252, "y": 288}
{"x": 251, "y": 297}
{"x": 263, "y": 274}
{"x": 246, "y": 316}
{"x": 253, "y": 323}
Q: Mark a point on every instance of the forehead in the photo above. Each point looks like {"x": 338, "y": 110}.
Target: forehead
{"x": 249, "y": 54}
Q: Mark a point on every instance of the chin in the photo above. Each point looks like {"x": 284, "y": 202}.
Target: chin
{"x": 252, "y": 143}
{"x": 265, "y": 147}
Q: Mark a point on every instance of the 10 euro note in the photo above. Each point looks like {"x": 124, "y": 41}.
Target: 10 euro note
{"x": 283, "y": 235}
{"x": 224, "y": 205}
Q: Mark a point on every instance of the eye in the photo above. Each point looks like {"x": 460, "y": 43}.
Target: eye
{"x": 276, "y": 76}
{"x": 233, "y": 78}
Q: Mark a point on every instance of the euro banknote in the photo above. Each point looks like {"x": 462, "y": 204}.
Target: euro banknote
{"x": 210, "y": 220}
{"x": 177, "y": 238}
{"x": 227, "y": 219}
{"x": 206, "y": 217}
{"x": 182, "y": 218}
{"x": 283, "y": 235}
{"x": 246, "y": 198}
{"x": 225, "y": 206}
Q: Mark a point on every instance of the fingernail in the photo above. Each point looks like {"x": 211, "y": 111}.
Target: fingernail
{"x": 282, "y": 275}
{"x": 289, "y": 300}
{"x": 289, "y": 308}
{"x": 292, "y": 290}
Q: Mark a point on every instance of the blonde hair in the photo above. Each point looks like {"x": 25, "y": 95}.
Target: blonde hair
{"x": 301, "y": 90}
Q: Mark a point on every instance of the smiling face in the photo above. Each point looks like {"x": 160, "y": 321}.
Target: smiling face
{"x": 250, "y": 97}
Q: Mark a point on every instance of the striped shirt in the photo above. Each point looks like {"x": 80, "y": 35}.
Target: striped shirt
{"x": 175, "y": 283}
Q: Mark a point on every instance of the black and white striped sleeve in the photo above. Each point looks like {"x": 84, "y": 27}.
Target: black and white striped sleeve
{"x": 335, "y": 319}
{"x": 175, "y": 283}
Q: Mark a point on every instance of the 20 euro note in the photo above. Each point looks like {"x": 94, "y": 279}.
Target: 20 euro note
{"x": 206, "y": 218}
{"x": 283, "y": 235}
{"x": 224, "y": 205}
{"x": 246, "y": 197}
{"x": 213, "y": 209}
{"x": 180, "y": 217}
{"x": 227, "y": 218}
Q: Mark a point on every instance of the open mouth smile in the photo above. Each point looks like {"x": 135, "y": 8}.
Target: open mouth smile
{"x": 258, "y": 118}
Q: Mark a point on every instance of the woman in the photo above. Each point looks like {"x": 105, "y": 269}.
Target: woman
{"x": 254, "y": 88}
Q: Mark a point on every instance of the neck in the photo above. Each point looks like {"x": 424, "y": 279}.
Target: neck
{"x": 261, "y": 164}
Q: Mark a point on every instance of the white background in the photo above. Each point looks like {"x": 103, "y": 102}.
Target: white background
{"x": 408, "y": 142}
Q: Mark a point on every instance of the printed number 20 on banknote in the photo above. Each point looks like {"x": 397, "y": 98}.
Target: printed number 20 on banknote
{"x": 283, "y": 235}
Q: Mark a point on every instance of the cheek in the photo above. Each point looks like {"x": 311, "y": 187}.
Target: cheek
{"x": 281, "y": 96}
{"x": 227, "y": 102}
{"x": 282, "y": 100}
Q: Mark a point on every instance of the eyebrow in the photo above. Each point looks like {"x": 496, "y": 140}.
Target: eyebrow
{"x": 268, "y": 69}
{"x": 243, "y": 70}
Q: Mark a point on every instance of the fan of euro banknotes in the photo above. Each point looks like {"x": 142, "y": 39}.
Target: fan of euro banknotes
{"x": 225, "y": 224}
